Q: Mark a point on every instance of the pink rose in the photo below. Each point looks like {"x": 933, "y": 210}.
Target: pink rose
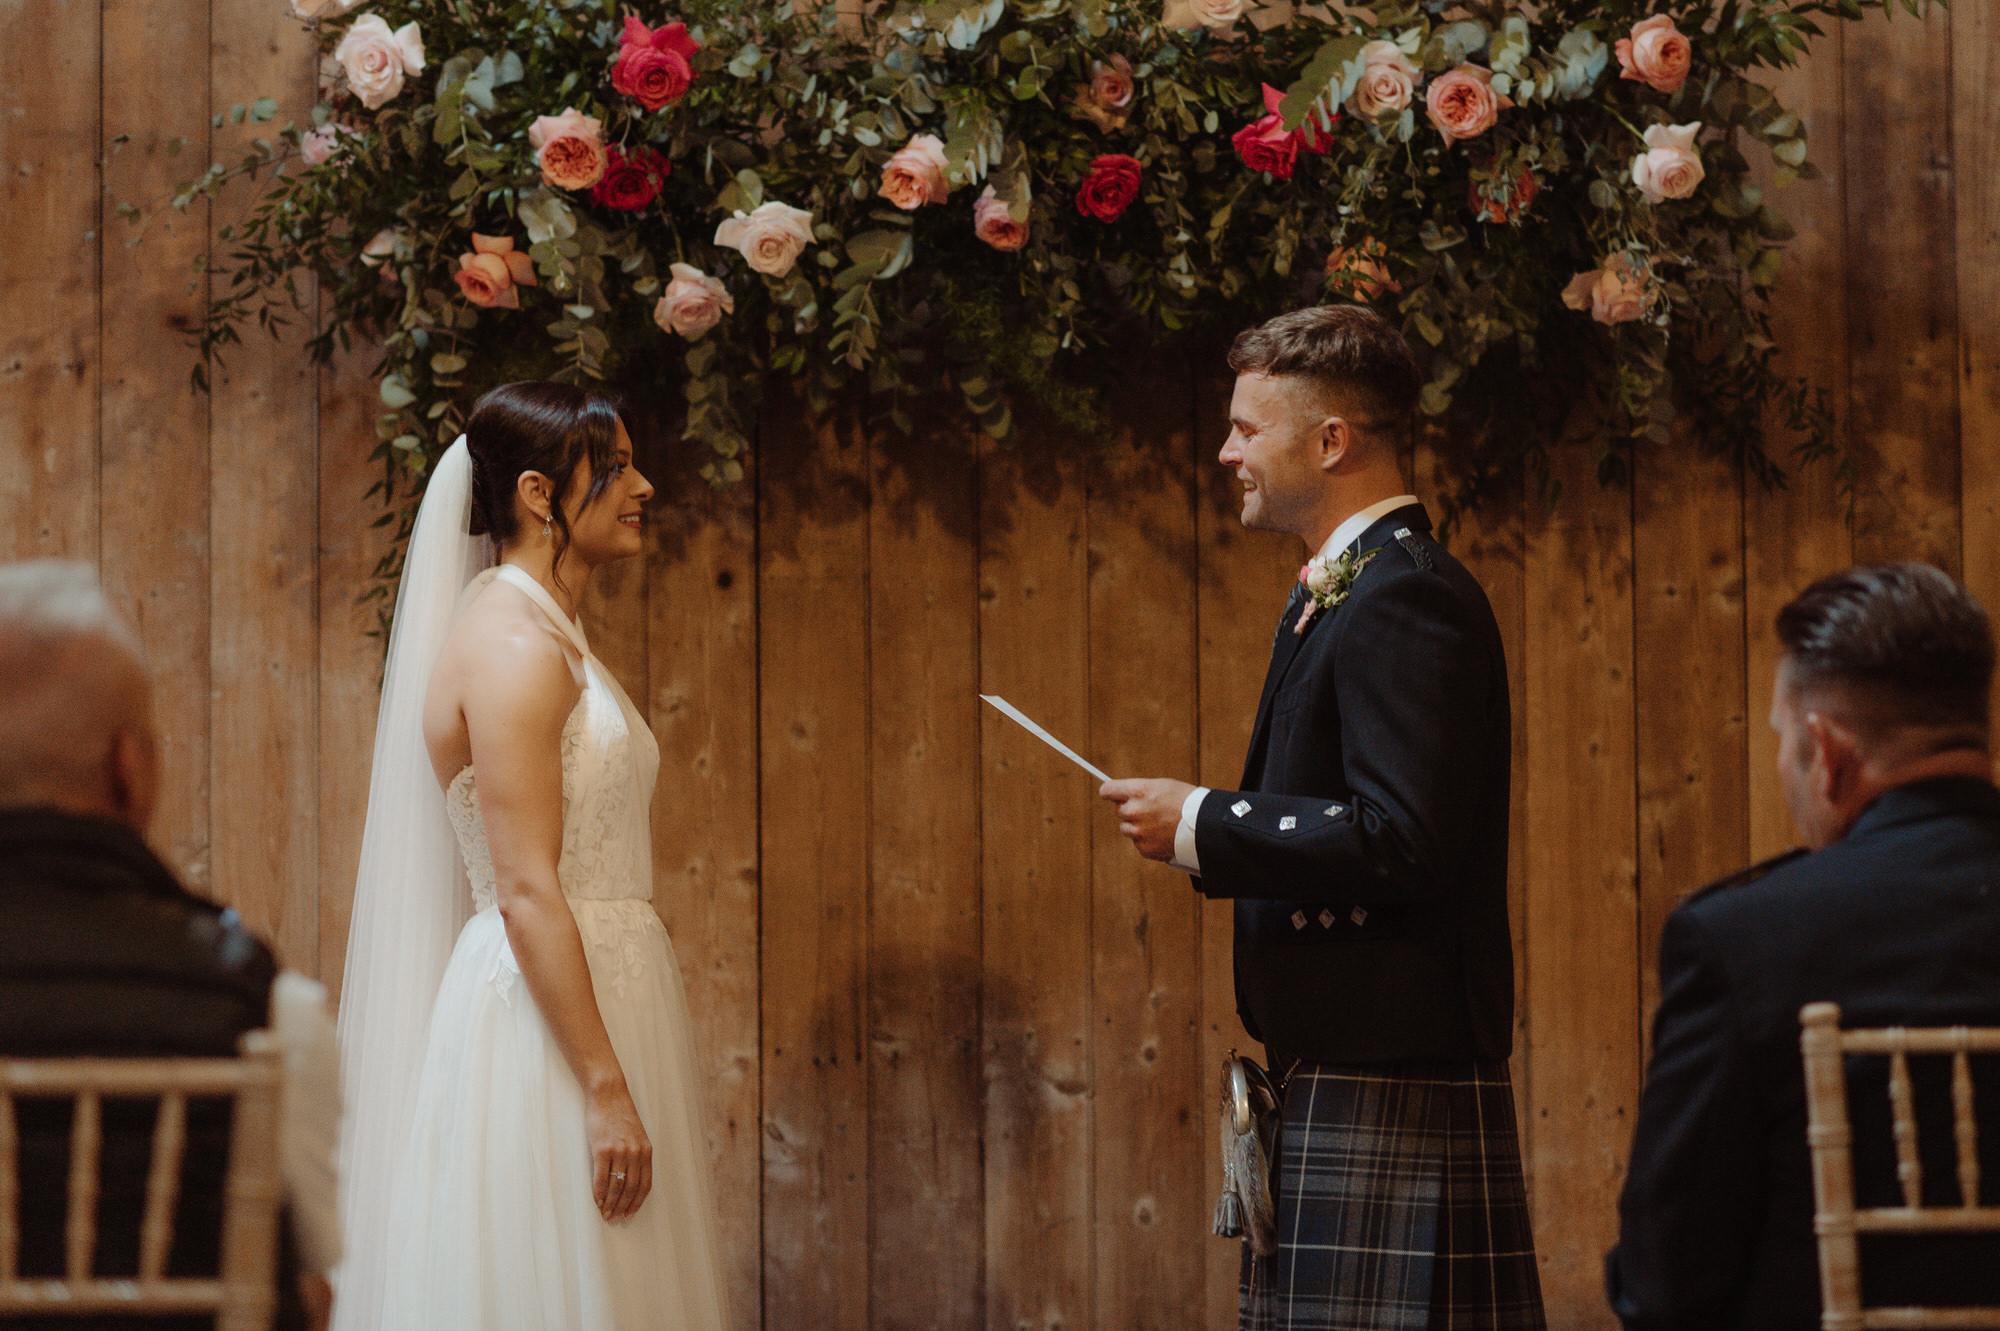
{"x": 1656, "y": 54}
{"x": 653, "y": 66}
{"x": 376, "y": 59}
{"x": 1111, "y": 84}
{"x": 1614, "y": 294}
{"x": 915, "y": 175}
{"x": 1669, "y": 168}
{"x": 1388, "y": 80}
{"x": 1359, "y": 270}
{"x": 317, "y": 147}
{"x": 490, "y": 273}
{"x": 1106, "y": 101}
{"x": 993, "y": 222}
{"x": 769, "y": 238}
{"x": 1462, "y": 103}
{"x": 569, "y": 148}
{"x": 693, "y": 303}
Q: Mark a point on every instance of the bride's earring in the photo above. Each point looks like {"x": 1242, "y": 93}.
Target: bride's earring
{"x": 548, "y": 524}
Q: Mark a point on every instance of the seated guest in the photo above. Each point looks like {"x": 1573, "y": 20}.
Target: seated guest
{"x": 1893, "y": 912}
{"x": 105, "y": 954}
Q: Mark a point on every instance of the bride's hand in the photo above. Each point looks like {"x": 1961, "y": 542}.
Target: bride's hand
{"x": 621, "y": 1155}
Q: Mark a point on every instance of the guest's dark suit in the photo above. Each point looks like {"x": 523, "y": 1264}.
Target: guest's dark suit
{"x": 1899, "y": 923}
{"x": 103, "y": 953}
{"x": 1367, "y": 849}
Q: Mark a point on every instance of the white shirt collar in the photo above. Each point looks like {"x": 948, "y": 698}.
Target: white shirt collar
{"x": 1348, "y": 532}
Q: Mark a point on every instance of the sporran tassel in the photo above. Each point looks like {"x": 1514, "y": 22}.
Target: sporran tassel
{"x": 1253, "y": 1185}
{"x": 1229, "y": 1206}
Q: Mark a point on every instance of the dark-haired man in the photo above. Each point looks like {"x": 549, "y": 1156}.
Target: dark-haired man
{"x": 1366, "y": 853}
{"x": 1892, "y": 911}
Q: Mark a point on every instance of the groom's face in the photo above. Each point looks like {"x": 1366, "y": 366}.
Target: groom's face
{"x": 1273, "y": 447}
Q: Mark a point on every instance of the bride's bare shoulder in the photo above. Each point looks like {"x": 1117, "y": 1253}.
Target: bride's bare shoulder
{"x": 504, "y": 641}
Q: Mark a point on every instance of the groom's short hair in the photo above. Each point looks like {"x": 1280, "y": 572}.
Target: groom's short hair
{"x": 1350, "y": 352}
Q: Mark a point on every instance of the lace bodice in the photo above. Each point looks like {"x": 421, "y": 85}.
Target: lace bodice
{"x": 609, "y": 762}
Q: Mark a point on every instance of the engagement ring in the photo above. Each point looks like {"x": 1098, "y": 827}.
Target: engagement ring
{"x": 615, "y": 1174}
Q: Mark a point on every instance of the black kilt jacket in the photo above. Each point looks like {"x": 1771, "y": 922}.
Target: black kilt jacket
{"x": 1367, "y": 849}
{"x": 1899, "y": 923}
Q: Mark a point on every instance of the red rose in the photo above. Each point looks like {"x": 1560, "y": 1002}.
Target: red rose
{"x": 1109, "y": 187}
{"x": 652, "y": 66}
{"x": 1265, "y": 145}
{"x": 1483, "y": 196}
{"x": 632, "y": 179}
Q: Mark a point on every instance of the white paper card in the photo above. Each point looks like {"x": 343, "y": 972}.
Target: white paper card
{"x": 1044, "y": 736}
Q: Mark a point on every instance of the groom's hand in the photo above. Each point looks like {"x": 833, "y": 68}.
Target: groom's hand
{"x": 1149, "y": 812}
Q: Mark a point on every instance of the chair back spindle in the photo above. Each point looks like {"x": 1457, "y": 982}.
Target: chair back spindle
{"x": 10, "y": 1224}
{"x": 1965, "y": 1129}
{"x": 156, "y": 1231}
{"x": 86, "y": 1135}
{"x": 1902, "y": 1109}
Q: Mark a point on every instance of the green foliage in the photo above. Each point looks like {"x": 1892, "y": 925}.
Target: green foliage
{"x": 800, "y": 105}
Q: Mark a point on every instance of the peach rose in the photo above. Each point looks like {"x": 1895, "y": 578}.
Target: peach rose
{"x": 770, "y": 238}
{"x": 569, "y": 148}
{"x": 490, "y": 273}
{"x": 1361, "y": 271}
{"x": 376, "y": 59}
{"x": 1218, "y": 13}
{"x": 1462, "y": 103}
{"x": 1669, "y": 168}
{"x": 693, "y": 303}
{"x": 993, "y": 222}
{"x": 915, "y": 175}
{"x": 1614, "y": 294}
{"x": 1388, "y": 80}
{"x": 1656, "y": 54}
{"x": 1106, "y": 101}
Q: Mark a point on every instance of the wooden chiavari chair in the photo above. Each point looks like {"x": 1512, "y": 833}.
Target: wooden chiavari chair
{"x": 1837, "y": 1220}
{"x": 243, "y": 1293}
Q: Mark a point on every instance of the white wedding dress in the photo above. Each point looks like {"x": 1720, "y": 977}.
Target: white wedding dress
{"x": 491, "y": 1225}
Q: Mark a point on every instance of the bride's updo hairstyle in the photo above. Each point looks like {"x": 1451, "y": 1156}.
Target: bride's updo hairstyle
{"x": 541, "y": 426}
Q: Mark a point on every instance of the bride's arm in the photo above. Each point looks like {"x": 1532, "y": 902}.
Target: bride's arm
{"x": 516, "y": 700}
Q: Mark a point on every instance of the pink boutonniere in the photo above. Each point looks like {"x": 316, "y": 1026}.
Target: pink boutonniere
{"x": 1328, "y": 581}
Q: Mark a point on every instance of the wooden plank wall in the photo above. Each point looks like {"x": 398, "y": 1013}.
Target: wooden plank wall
{"x": 961, "y": 1044}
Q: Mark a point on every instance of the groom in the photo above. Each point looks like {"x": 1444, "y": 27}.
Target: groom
{"x": 1367, "y": 856}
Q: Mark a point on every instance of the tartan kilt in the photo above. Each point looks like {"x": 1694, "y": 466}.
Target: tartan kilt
{"x": 1400, "y": 1204}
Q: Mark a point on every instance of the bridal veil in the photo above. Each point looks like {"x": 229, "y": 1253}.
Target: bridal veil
{"x": 410, "y": 893}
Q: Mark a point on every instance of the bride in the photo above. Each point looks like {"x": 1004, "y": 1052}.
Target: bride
{"x": 524, "y": 1145}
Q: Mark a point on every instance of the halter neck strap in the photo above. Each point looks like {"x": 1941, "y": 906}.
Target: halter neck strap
{"x": 540, "y": 596}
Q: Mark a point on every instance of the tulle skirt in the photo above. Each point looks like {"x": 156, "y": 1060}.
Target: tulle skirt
{"x": 494, "y": 1228}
